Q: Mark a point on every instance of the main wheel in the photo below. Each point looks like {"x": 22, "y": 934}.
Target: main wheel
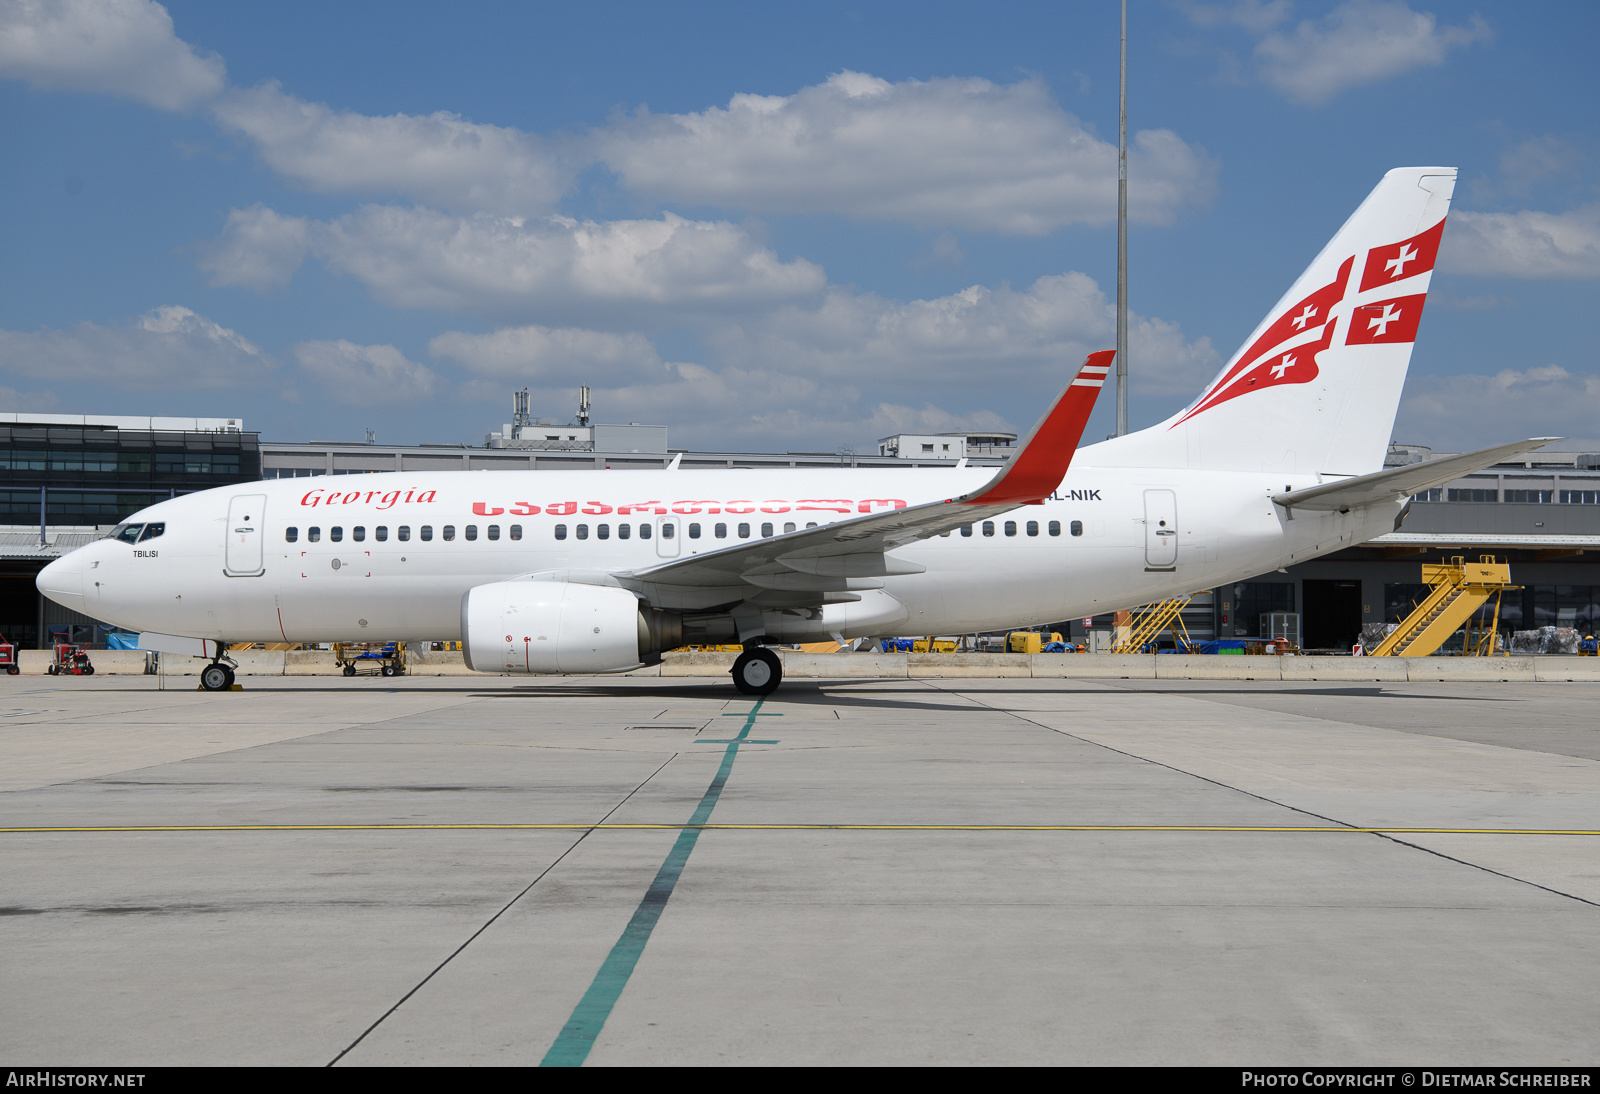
{"x": 349, "y": 670}
{"x": 387, "y": 670}
{"x": 216, "y": 677}
{"x": 757, "y": 672}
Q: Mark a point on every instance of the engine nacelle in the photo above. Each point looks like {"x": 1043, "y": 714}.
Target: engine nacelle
{"x": 560, "y": 626}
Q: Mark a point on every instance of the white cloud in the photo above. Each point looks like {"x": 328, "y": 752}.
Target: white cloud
{"x": 948, "y": 152}
{"x": 1449, "y": 411}
{"x": 120, "y": 47}
{"x": 169, "y": 347}
{"x": 544, "y": 355}
{"x": 439, "y": 158}
{"x": 1360, "y": 42}
{"x": 362, "y": 375}
{"x": 1255, "y": 16}
{"x": 13, "y": 400}
{"x": 514, "y": 265}
{"x": 1525, "y": 244}
{"x": 259, "y": 249}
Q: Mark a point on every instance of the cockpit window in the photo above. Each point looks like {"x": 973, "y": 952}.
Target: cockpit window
{"x": 152, "y": 530}
{"x": 127, "y": 533}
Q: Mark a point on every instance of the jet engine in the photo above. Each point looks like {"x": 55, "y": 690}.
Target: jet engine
{"x": 562, "y": 626}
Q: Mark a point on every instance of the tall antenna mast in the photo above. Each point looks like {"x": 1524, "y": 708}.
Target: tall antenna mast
{"x": 1122, "y": 233}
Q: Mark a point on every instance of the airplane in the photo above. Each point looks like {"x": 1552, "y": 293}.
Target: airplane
{"x": 1278, "y": 460}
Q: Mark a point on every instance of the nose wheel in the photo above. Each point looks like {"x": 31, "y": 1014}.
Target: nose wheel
{"x": 757, "y": 672}
{"x": 216, "y": 677}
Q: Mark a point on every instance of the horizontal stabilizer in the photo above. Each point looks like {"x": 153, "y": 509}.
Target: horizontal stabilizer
{"x": 1385, "y": 486}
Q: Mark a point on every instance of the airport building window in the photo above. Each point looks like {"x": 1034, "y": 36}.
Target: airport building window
{"x": 1580, "y": 497}
{"x": 1033, "y": 527}
{"x": 624, "y": 531}
{"x": 668, "y": 529}
{"x": 644, "y": 531}
{"x": 988, "y": 527}
{"x": 1055, "y": 528}
{"x": 1253, "y": 599}
{"x": 766, "y": 530}
{"x": 1436, "y": 494}
{"x": 1400, "y": 598}
{"x": 336, "y": 533}
{"x": 1011, "y": 527}
{"x": 381, "y": 533}
{"x": 425, "y": 533}
{"x": 449, "y": 532}
{"x": 583, "y": 531}
{"x": 291, "y": 534}
{"x": 494, "y": 531}
{"x": 789, "y": 526}
{"x": 966, "y": 530}
{"x": 313, "y": 534}
{"x": 720, "y": 531}
{"x": 358, "y": 533}
{"x": 472, "y": 531}
{"x": 1566, "y": 606}
{"x": 1076, "y": 528}
{"x": 602, "y": 531}
{"x": 1539, "y": 497}
{"x": 561, "y": 531}
{"x": 403, "y": 533}
{"x": 516, "y": 531}
{"x": 694, "y": 531}
{"x": 1474, "y": 495}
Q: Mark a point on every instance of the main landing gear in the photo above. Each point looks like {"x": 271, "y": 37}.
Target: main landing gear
{"x": 757, "y": 671}
{"x": 217, "y": 676}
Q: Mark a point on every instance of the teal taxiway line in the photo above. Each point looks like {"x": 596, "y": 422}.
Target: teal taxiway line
{"x": 577, "y": 1037}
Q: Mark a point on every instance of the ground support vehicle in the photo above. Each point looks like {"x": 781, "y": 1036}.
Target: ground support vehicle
{"x": 70, "y": 660}
{"x": 385, "y": 658}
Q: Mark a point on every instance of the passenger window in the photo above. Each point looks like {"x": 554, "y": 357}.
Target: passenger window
{"x": 811, "y": 524}
{"x": 472, "y": 532}
{"x": 1055, "y": 528}
{"x": 1077, "y": 527}
{"x": 624, "y": 531}
{"x": 694, "y": 531}
{"x": 516, "y": 531}
{"x": 667, "y": 530}
{"x": 1033, "y": 527}
{"x": 988, "y": 527}
{"x": 494, "y": 531}
{"x": 313, "y": 534}
{"x": 358, "y": 533}
{"x": 766, "y": 529}
{"x": 151, "y": 531}
{"x": 561, "y": 531}
{"x": 602, "y": 531}
{"x": 583, "y": 531}
{"x": 291, "y": 534}
{"x": 336, "y": 533}
{"x": 744, "y": 531}
{"x": 425, "y": 533}
{"x": 449, "y": 532}
{"x": 966, "y": 530}
{"x": 644, "y": 531}
{"x": 720, "y": 531}
{"x": 1011, "y": 527}
{"x": 381, "y": 533}
{"x": 789, "y": 526}
{"x": 403, "y": 533}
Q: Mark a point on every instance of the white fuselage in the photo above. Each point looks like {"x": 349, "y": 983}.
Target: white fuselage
{"x": 241, "y": 575}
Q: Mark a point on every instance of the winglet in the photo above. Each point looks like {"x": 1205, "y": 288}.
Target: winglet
{"x": 1041, "y": 462}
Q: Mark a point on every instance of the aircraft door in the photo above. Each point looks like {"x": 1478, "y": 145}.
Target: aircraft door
{"x": 1160, "y": 530}
{"x": 667, "y": 545}
{"x": 245, "y": 513}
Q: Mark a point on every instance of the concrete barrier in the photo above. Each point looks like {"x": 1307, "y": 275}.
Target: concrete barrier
{"x": 958, "y": 665}
{"x": 802, "y": 665}
{"x": 1559, "y": 669}
{"x": 1467, "y": 668}
{"x": 1092, "y": 666}
{"x": 1340, "y": 668}
{"x": 1200, "y": 666}
{"x": 705, "y": 663}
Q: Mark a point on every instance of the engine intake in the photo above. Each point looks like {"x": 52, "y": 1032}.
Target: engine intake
{"x": 561, "y": 626}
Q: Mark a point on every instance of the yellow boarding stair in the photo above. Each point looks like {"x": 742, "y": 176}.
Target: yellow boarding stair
{"x": 1460, "y": 588}
{"x": 1151, "y": 620}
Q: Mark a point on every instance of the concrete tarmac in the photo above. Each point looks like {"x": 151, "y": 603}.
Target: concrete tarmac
{"x": 909, "y": 871}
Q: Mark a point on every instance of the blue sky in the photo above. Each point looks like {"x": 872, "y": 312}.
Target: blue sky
{"x": 770, "y": 228}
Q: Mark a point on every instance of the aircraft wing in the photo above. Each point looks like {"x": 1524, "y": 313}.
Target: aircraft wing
{"x": 818, "y": 559}
{"x": 1401, "y": 482}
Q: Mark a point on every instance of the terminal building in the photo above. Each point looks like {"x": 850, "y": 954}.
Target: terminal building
{"x": 68, "y": 479}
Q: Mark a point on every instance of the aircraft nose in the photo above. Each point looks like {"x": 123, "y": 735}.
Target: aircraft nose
{"x": 62, "y": 581}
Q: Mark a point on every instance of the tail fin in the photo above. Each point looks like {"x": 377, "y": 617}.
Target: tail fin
{"x": 1315, "y": 388}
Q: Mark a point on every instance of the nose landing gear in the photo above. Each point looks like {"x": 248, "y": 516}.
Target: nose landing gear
{"x": 217, "y": 676}
{"x": 757, "y": 671}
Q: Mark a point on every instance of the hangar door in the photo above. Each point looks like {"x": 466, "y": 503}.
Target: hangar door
{"x": 1160, "y": 529}
{"x": 244, "y": 535}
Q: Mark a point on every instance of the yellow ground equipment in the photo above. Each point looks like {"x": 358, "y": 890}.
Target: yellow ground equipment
{"x": 1460, "y": 588}
{"x": 1148, "y": 622}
